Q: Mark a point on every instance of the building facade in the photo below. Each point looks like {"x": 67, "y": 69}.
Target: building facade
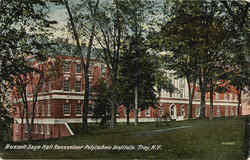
{"x": 60, "y": 102}
{"x": 245, "y": 102}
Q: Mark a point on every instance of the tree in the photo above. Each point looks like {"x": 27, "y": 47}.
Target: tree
{"x": 111, "y": 30}
{"x": 102, "y": 104}
{"x": 137, "y": 75}
{"x": 24, "y": 27}
{"x": 137, "y": 15}
{"x": 5, "y": 113}
{"x": 28, "y": 84}
{"x": 200, "y": 30}
{"x": 238, "y": 47}
{"x": 79, "y": 30}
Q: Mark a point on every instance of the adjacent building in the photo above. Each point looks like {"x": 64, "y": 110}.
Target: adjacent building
{"x": 60, "y": 102}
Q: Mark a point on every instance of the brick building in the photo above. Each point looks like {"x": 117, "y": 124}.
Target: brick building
{"x": 60, "y": 102}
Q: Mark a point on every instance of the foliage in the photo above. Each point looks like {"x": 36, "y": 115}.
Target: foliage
{"x": 137, "y": 68}
{"x": 197, "y": 35}
{"x": 87, "y": 12}
{"x": 23, "y": 31}
{"x": 29, "y": 84}
{"x": 102, "y": 102}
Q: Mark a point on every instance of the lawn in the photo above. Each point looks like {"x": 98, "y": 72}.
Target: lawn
{"x": 201, "y": 139}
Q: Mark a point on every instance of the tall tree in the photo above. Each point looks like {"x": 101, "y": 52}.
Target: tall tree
{"x": 111, "y": 30}
{"x": 24, "y": 31}
{"x": 200, "y": 28}
{"x": 27, "y": 85}
{"x": 137, "y": 72}
{"x": 24, "y": 26}
{"x": 84, "y": 12}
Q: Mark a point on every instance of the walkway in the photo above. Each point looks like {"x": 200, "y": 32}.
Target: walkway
{"x": 149, "y": 133}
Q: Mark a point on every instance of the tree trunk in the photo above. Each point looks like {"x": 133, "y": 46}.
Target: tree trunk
{"x": 190, "y": 100}
{"x": 211, "y": 90}
{"x": 203, "y": 88}
{"x": 136, "y": 105}
{"x": 190, "y": 96}
{"x": 203, "y": 105}
{"x": 127, "y": 113}
{"x": 85, "y": 66}
{"x": 85, "y": 104}
{"x": 239, "y": 102}
{"x": 29, "y": 127}
{"x": 22, "y": 126}
{"x": 190, "y": 104}
{"x": 112, "y": 122}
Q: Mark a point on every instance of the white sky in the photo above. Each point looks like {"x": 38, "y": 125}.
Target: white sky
{"x": 59, "y": 14}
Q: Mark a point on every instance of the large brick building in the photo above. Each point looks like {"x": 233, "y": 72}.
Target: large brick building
{"x": 60, "y": 102}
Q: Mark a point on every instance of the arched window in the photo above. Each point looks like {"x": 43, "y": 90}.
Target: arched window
{"x": 182, "y": 110}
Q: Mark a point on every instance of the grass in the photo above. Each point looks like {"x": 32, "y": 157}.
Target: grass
{"x": 207, "y": 140}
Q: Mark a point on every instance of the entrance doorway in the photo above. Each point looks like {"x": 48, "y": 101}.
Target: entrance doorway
{"x": 172, "y": 111}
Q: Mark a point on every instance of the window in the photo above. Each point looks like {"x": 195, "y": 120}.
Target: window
{"x": 43, "y": 109}
{"x": 26, "y": 128}
{"x": 66, "y": 67}
{"x": 49, "y": 85}
{"x": 41, "y": 129}
{"x": 181, "y": 93}
{"x": 216, "y": 95}
{"x": 182, "y": 83}
{"x": 161, "y": 112}
{"x": 147, "y": 113}
{"x": 196, "y": 96}
{"x": 17, "y": 128}
{"x": 47, "y": 129}
{"x": 170, "y": 94}
{"x": 66, "y": 109}
{"x": 103, "y": 69}
{"x": 48, "y": 109}
{"x": 90, "y": 74}
{"x": 217, "y": 111}
{"x": 197, "y": 111}
{"x": 78, "y": 68}
{"x": 226, "y": 111}
{"x": 231, "y": 97}
{"x": 44, "y": 86}
{"x": 36, "y": 128}
{"x": 37, "y": 110}
{"x": 78, "y": 108}
{"x": 31, "y": 111}
{"x": 225, "y": 96}
{"x": 91, "y": 108}
{"x": 125, "y": 112}
{"x": 66, "y": 85}
{"x": 25, "y": 111}
{"x": 182, "y": 110}
{"x": 78, "y": 86}
{"x": 231, "y": 110}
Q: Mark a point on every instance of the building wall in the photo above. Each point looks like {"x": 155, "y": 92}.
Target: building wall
{"x": 245, "y": 101}
{"x": 174, "y": 106}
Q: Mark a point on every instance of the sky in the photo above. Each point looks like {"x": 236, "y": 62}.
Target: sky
{"x": 59, "y": 14}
